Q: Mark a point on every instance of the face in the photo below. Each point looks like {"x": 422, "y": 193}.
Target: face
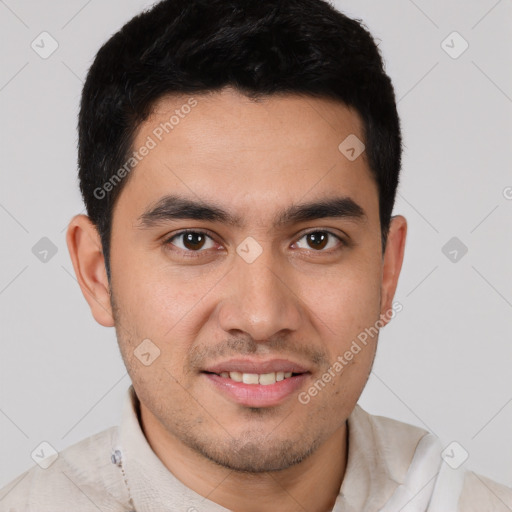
{"x": 279, "y": 272}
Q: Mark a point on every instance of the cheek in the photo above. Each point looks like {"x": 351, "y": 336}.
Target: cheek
{"x": 161, "y": 303}
{"x": 345, "y": 301}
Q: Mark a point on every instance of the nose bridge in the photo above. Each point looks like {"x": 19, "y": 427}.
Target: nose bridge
{"x": 259, "y": 301}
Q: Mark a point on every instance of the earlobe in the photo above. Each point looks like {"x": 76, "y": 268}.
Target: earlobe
{"x": 392, "y": 263}
{"x": 84, "y": 245}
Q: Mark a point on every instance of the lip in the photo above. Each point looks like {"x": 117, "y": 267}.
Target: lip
{"x": 255, "y": 366}
{"x": 257, "y": 395}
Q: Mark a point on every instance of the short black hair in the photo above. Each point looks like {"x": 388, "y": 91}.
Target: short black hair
{"x": 258, "y": 47}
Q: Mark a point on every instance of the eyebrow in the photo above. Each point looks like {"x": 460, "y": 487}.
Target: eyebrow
{"x": 173, "y": 207}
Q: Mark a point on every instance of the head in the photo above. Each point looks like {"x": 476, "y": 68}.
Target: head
{"x": 229, "y": 119}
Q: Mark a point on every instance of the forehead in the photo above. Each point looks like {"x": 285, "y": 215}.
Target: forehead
{"x": 255, "y": 155}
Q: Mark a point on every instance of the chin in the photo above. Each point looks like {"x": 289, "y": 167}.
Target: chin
{"x": 256, "y": 457}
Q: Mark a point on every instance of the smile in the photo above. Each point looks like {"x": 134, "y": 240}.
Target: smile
{"x": 265, "y": 379}
{"x": 257, "y": 390}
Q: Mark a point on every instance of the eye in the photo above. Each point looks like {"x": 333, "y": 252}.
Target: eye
{"x": 191, "y": 241}
{"x": 319, "y": 240}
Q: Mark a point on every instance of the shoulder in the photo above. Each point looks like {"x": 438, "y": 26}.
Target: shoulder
{"x": 82, "y": 477}
{"x": 411, "y": 456}
{"x": 480, "y": 494}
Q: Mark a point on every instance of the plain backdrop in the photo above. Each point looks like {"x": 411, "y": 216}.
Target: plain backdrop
{"x": 443, "y": 363}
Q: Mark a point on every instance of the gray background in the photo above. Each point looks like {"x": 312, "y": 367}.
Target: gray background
{"x": 444, "y": 361}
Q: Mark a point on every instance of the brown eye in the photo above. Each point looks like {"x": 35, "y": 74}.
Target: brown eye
{"x": 191, "y": 241}
{"x": 319, "y": 240}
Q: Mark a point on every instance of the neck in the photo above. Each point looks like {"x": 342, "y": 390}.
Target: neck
{"x": 311, "y": 485}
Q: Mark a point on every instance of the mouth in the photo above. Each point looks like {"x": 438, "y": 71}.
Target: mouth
{"x": 264, "y": 379}
{"x": 256, "y": 383}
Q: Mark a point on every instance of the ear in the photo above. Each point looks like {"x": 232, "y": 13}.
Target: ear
{"x": 84, "y": 245}
{"x": 392, "y": 263}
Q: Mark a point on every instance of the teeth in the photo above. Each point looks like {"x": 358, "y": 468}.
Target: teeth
{"x": 254, "y": 378}
{"x": 250, "y": 378}
{"x": 267, "y": 378}
{"x": 237, "y": 376}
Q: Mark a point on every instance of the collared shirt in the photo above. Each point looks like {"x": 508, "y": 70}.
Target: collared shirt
{"x": 391, "y": 466}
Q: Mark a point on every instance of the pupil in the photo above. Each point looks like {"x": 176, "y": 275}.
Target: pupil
{"x": 318, "y": 240}
{"x": 189, "y": 237}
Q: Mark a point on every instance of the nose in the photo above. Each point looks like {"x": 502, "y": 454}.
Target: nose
{"x": 260, "y": 299}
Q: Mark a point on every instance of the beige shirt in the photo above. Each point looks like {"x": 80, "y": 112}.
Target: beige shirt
{"x": 391, "y": 466}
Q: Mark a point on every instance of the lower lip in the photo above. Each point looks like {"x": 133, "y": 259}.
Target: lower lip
{"x": 257, "y": 395}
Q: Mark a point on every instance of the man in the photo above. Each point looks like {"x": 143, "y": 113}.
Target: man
{"x": 239, "y": 162}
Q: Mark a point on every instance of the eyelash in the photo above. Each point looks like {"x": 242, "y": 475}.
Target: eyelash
{"x": 196, "y": 254}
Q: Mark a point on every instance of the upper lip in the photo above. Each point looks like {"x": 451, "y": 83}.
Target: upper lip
{"x": 255, "y": 366}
